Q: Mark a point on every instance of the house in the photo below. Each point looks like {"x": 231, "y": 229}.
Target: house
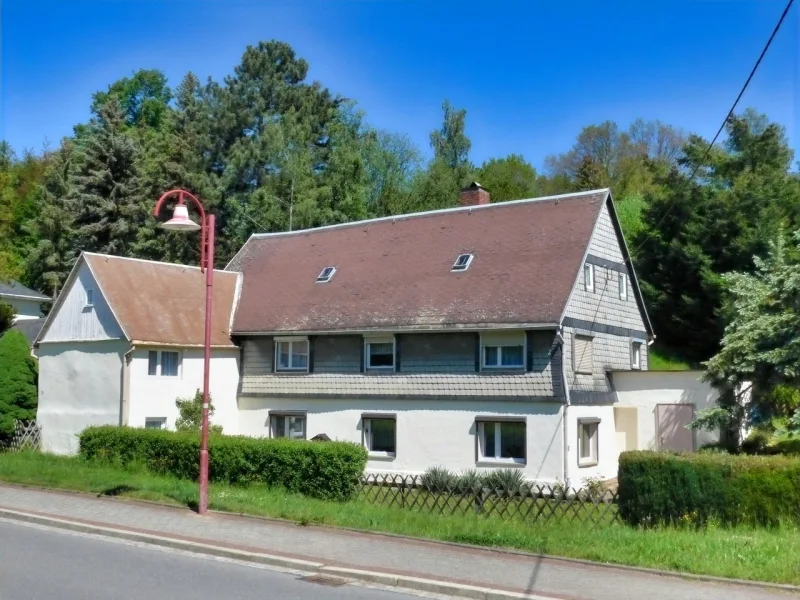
{"x": 124, "y": 340}
{"x": 481, "y": 336}
{"x": 27, "y": 303}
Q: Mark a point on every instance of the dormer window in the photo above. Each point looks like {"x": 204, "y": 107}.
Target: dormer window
{"x": 462, "y": 262}
{"x": 326, "y": 274}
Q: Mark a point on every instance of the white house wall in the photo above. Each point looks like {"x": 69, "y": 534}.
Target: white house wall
{"x": 154, "y": 396}
{"x": 646, "y": 390}
{"x": 24, "y": 309}
{"x": 79, "y": 385}
{"x": 608, "y": 452}
{"x": 429, "y": 432}
{"x": 74, "y": 320}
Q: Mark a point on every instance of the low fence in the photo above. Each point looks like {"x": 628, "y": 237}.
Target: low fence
{"x": 27, "y": 436}
{"x": 516, "y": 501}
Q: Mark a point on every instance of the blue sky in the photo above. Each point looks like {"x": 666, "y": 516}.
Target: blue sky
{"x": 530, "y": 74}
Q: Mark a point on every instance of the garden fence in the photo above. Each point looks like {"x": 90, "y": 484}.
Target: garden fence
{"x": 515, "y": 500}
{"x": 27, "y": 436}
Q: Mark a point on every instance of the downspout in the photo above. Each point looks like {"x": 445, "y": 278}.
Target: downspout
{"x": 565, "y": 421}
{"x": 126, "y": 386}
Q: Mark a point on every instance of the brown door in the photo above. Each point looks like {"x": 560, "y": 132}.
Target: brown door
{"x": 671, "y": 422}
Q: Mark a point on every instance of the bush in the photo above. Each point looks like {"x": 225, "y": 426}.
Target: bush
{"x": 190, "y": 414}
{"x": 438, "y": 479}
{"x": 662, "y": 488}
{"x": 507, "y": 481}
{"x": 470, "y": 481}
{"x": 18, "y": 375}
{"x": 327, "y": 471}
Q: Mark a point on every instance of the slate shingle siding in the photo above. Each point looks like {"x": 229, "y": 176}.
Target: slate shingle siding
{"x": 338, "y": 353}
{"x": 437, "y": 353}
{"x": 604, "y": 306}
{"x": 431, "y": 365}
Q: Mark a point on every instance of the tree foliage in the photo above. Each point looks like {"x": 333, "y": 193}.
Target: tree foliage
{"x": 190, "y": 411}
{"x": 18, "y": 378}
{"x": 7, "y": 315}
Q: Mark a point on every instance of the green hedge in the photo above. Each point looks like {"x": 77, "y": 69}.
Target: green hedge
{"x": 663, "y": 488}
{"x": 326, "y": 470}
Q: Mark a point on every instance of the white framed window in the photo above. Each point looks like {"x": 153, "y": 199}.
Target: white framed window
{"x": 636, "y": 355}
{"x": 501, "y": 441}
{"x": 588, "y": 438}
{"x": 380, "y": 435}
{"x": 291, "y": 354}
{"x": 287, "y": 425}
{"x": 163, "y": 363}
{"x": 583, "y": 355}
{"x": 155, "y": 423}
{"x": 588, "y": 276}
{"x": 89, "y": 297}
{"x": 503, "y": 350}
{"x": 623, "y": 286}
{"x": 379, "y": 353}
{"x": 326, "y": 274}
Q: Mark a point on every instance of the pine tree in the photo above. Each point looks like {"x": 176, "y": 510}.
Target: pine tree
{"x": 18, "y": 379}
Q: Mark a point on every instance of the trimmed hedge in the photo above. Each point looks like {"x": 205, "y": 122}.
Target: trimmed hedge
{"x": 664, "y": 488}
{"x": 329, "y": 470}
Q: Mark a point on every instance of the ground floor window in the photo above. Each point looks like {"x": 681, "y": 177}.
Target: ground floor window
{"x": 588, "y": 442}
{"x": 163, "y": 363}
{"x": 380, "y": 435}
{"x": 288, "y": 425}
{"x": 155, "y": 423}
{"x": 501, "y": 441}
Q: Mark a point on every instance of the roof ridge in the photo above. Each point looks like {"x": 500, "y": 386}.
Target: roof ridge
{"x": 155, "y": 262}
{"x": 426, "y": 213}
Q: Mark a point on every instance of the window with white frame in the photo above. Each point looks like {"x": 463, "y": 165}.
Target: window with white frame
{"x": 583, "y": 355}
{"x": 287, "y": 425}
{"x": 502, "y": 441}
{"x": 291, "y": 354}
{"x": 588, "y": 442}
{"x": 379, "y": 353}
{"x": 503, "y": 350}
{"x": 380, "y": 435}
{"x": 623, "y": 286}
{"x": 89, "y": 297}
{"x": 588, "y": 276}
{"x": 155, "y": 423}
{"x": 163, "y": 363}
{"x": 636, "y": 355}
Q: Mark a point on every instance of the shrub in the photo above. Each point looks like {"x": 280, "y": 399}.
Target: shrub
{"x": 328, "y": 471}
{"x": 509, "y": 481}
{"x": 756, "y": 442}
{"x": 190, "y": 412}
{"x": 663, "y": 488}
{"x": 438, "y": 479}
{"x": 18, "y": 374}
{"x": 470, "y": 481}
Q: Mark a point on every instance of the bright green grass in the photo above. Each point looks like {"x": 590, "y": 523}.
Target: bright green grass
{"x": 659, "y": 359}
{"x": 761, "y": 554}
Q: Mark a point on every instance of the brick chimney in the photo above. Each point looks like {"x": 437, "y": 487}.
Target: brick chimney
{"x": 473, "y": 195}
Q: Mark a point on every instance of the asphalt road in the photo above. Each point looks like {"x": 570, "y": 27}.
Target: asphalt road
{"x": 41, "y": 564}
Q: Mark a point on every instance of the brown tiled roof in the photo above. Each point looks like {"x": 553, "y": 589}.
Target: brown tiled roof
{"x": 164, "y": 303}
{"x": 395, "y": 272}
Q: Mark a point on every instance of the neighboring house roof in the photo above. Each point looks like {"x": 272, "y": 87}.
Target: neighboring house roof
{"x": 15, "y": 289}
{"x": 29, "y": 328}
{"x": 160, "y": 303}
{"x": 395, "y": 272}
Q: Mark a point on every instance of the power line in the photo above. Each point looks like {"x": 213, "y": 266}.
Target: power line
{"x": 730, "y": 112}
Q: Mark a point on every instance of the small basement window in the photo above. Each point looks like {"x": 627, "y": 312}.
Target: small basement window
{"x": 155, "y": 423}
{"x": 462, "y": 262}
{"x": 380, "y": 435}
{"x": 326, "y": 274}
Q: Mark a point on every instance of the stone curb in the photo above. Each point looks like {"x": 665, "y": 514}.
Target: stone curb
{"x": 292, "y": 564}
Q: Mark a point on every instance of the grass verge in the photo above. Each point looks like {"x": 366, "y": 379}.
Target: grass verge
{"x": 744, "y": 553}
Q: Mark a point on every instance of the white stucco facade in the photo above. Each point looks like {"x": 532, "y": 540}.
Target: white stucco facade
{"x": 641, "y": 392}
{"x": 23, "y": 307}
{"x": 428, "y": 432}
{"x": 80, "y": 385}
{"x": 153, "y": 396}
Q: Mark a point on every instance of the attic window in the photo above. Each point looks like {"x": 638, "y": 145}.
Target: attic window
{"x": 326, "y": 274}
{"x": 462, "y": 262}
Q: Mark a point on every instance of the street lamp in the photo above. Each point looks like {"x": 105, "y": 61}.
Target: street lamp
{"x": 180, "y": 221}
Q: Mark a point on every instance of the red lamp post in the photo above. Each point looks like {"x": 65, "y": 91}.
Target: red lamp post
{"x": 180, "y": 221}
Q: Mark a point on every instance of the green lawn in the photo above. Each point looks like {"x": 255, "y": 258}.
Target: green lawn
{"x": 768, "y": 555}
{"x": 663, "y": 359}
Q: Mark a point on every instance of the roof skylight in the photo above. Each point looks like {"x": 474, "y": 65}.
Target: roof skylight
{"x": 326, "y": 274}
{"x": 462, "y": 262}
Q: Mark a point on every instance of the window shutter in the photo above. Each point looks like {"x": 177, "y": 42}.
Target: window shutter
{"x": 583, "y": 359}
